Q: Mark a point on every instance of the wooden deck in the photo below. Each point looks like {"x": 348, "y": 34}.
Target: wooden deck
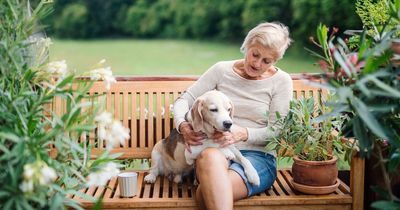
{"x": 165, "y": 194}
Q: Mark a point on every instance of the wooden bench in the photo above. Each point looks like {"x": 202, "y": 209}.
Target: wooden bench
{"x": 143, "y": 104}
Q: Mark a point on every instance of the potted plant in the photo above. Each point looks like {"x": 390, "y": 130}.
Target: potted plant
{"x": 314, "y": 143}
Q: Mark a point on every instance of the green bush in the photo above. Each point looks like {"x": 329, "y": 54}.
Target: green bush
{"x": 134, "y": 18}
{"x": 223, "y": 20}
{"x": 44, "y": 155}
{"x": 203, "y": 20}
{"x": 72, "y": 21}
{"x": 229, "y": 27}
{"x": 365, "y": 80}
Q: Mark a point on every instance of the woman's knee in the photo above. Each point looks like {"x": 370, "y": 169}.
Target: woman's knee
{"x": 209, "y": 157}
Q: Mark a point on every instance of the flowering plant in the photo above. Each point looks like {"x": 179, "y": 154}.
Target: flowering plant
{"x": 366, "y": 82}
{"x": 43, "y": 154}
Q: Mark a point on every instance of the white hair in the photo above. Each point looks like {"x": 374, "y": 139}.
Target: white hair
{"x": 274, "y": 36}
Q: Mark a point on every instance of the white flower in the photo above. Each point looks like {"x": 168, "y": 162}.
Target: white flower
{"x": 28, "y": 171}
{"x": 100, "y": 177}
{"x": 103, "y": 61}
{"x": 26, "y": 186}
{"x": 102, "y": 133}
{"x": 117, "y": 135}
{"x": 108, "y": 81}
{"x": 37, "y": 173}
{"x": 104, "y": 74}
{"x": 104, "y": 119}
{"x": 57, "y": 68}
{"x": 48, "y": 175}
{"x": 111, "y": 131}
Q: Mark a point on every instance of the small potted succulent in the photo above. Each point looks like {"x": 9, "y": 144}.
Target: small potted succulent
{"x": 314, "y": 141}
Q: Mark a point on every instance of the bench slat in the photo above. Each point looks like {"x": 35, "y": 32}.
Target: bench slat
{"x": 159, "y": 117}
{"x": 171, "y": 197}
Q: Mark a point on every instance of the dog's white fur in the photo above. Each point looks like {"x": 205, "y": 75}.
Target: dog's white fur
{"x": 167, "y": 158}
{"x": 210, "y": 112}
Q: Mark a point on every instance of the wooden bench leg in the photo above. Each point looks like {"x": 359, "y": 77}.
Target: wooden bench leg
{"x": 357, "y": 181}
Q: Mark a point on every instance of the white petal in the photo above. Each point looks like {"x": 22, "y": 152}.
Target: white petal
{"x": 26, "y": 186}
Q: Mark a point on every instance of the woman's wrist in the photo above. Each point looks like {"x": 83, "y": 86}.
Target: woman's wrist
{"x": 245, "y": 135}
{"x": 241, "y": 134}
{"x": 182, "y": 126}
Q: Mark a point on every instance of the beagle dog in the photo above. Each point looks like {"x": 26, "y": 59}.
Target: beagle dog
{"x": 210, "y": 112}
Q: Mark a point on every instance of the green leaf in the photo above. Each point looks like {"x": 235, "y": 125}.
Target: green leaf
{"x": 395, "y": 93}
{"x": 98, "y": 204}
{"x": 4, "y": 194}
{"x": 84, "y": 195}
{"x": 73, "y": 203}
{"x": 361, "y": 135}
{"x": 368, "y": 118}
{"x": 394, "y": 162}
{"x": 56, "y": 202}
{"x": 381, "y": 191}
{"x": 341, "y": 61}
{"x": 65, "y": 81}
{"x": 83, "y": 128}
{"x": 9, "y": 204}
{"x": 9, "y": 136}
{"x": 26, "y": 206}
{"x": 271, "y": 146}
{"x": 386, "y": 205}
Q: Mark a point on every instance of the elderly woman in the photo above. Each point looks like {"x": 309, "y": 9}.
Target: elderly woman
{"x": 258, "y": 90}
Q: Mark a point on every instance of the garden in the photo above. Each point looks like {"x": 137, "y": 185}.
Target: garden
{"x": 46, "y": 146}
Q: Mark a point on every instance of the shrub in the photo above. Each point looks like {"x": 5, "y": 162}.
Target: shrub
{"x": 72, "y": 22}
{"x": 44, "y": 155}
{"x": 366, "y": 82}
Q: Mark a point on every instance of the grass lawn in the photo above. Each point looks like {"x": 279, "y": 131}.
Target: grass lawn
{"x": 161, "y": 57}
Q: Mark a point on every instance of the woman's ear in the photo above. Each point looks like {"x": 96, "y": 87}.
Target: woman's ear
{"x": 197, "y": 117}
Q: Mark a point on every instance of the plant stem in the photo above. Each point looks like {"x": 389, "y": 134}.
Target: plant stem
{"x": 385, "y": 173}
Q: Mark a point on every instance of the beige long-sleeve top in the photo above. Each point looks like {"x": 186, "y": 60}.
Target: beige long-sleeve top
{"x": 255, "y": 101}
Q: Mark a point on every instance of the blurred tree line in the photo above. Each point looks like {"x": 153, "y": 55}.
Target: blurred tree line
{"x": 200, "y": 19}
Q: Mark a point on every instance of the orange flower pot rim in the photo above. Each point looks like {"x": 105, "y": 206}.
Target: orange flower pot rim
{"x": 313, "y": 162}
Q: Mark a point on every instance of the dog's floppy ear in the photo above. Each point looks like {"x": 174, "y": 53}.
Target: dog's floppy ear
{"x": 197, "y": 117}
{"x": 232, "y": 109}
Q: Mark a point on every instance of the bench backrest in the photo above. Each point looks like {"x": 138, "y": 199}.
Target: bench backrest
{"x": 144, "y": 105}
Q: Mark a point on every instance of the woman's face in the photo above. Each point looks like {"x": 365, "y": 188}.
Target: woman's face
{"x": 258, "y": 60}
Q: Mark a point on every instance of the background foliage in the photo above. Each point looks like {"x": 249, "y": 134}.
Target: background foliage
{"x": 222, "y": 20}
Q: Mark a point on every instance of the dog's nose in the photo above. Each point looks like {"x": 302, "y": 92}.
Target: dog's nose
{"x": 227, "y": 124}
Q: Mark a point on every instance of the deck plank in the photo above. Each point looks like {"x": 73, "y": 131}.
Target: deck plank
{"x": 284, "y": 183}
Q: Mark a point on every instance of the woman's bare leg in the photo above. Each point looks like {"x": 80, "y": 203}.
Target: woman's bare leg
{"x": 216, "y": 181}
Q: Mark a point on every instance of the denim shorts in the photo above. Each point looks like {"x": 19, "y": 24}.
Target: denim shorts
{"x": 265, "y": 165}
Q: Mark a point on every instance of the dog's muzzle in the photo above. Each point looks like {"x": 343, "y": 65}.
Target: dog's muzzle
{"x": 227, "y": 125}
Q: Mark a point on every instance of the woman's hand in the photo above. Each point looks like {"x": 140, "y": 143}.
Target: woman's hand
{"x": 236, "y": 134}
{"x": 191, "y": 137}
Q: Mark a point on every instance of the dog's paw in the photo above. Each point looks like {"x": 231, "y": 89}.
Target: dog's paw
{"x": 252, "y": 176}
{"x": 228, "y": 153}
{"x": 178, "y": 178}
{"x": 230, "y": 156}
{"x": 150, "y": 178}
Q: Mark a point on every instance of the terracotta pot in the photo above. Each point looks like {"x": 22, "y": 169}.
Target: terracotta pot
{"x": 315, "y": 173}
{"x": 395, "y": 46}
